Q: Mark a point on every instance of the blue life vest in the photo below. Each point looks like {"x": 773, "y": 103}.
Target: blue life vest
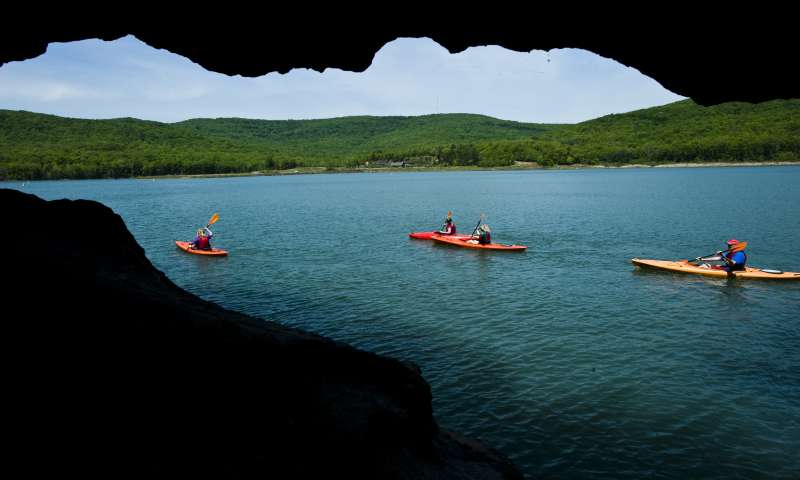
{"x": 739, "y": 259}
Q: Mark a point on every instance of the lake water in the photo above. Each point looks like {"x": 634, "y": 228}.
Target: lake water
{"x": 565, "y": 357}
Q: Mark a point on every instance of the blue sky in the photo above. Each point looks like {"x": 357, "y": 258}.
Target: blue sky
{"x": 409, "y": 76}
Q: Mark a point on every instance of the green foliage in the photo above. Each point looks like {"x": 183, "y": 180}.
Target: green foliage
{"x": 37, "y": 146}
{"x": 683, "y": 132}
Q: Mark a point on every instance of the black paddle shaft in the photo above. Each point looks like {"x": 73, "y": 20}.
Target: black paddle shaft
{"x": 478, "y": 225}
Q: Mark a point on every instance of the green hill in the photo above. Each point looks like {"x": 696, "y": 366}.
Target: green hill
{"x": 686, "y": 132}
{"x": 356, "y": 138}
{"x": 34, "y": 146}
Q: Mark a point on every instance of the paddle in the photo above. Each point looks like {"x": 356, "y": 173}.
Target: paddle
{"x": 479, "y": 224}
{"x": 738, "y": 247}
{"x": 213, "y": 220}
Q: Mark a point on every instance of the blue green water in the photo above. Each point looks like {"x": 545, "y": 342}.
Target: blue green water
{"x": 565, "y": 357}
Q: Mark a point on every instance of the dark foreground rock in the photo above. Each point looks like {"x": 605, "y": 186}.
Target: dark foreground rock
{"x": 112, "y": 370}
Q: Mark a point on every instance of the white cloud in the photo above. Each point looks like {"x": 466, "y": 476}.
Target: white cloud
{"x": 44, "y": 91}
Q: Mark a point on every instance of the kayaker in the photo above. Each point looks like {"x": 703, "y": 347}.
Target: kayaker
{"x": 482, "y": 235}
{"x": 449, "y": 228}
{"x": 203, "y": 239}
{"x": 734, "y": 259}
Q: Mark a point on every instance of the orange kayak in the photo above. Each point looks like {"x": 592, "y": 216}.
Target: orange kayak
{"x": 428, "y": 235}
{"x": 463, "y": 242}
{"x": 214, "y": 252}
{"x": 685, "y": 266}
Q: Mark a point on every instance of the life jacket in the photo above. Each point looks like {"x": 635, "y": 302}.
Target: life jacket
{"x": 484, "y": 237}
{"x": 202, "y": 243}
{"x": 449, "y": 229}
{"x": 737, "y": 265}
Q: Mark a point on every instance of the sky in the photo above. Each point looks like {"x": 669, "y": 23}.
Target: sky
{"x": 408, "y": 76}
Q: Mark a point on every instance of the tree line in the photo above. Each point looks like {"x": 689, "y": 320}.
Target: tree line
{"x": 38, "y": 146}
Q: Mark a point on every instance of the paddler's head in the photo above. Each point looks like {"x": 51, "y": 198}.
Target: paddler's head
{"x": 201, "y": 232}
{"x": 732, "y": 243}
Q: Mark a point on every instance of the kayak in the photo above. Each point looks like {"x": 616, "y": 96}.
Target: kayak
{"x": 428, "y": 235}
{"x": 214, "y": 252}
{"x": 462, "y": 242}
{"x": 685, "y": 266}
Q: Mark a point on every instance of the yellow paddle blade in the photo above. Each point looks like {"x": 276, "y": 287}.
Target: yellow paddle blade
{"x": 214, "y": 219}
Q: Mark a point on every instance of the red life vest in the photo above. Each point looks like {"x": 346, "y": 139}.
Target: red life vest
{"x": 202, "y": 243}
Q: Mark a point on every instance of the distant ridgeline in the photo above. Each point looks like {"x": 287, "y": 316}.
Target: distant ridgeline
{"x": 38, "y": 146}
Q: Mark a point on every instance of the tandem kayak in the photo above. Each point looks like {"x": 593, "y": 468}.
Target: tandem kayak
{"x": 462, "y": 242}
{"x": 214, "y": 252}
{"x": 685, "y": 266}
{"x": 428, "y": 235}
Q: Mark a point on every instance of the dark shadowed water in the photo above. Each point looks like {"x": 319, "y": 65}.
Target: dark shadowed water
{"x": 565, "y": 357}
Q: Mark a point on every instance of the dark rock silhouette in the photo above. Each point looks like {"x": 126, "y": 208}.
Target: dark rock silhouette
{"x": 115, "y": 371}
{"x": 709, "y": 54}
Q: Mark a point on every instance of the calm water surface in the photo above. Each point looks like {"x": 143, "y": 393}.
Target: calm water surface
{"x": 565, "y": 357}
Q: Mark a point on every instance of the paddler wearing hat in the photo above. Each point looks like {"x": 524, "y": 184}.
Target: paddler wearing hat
{"x": 734, "y": 257}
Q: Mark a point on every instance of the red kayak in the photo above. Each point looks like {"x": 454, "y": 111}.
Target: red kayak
{"x": 428, "y": 235}
{"x": 463, "y": 242}
{"x": 214, "y": 252}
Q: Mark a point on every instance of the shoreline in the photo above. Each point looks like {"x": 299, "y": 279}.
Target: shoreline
{"x": 519, "y": 166}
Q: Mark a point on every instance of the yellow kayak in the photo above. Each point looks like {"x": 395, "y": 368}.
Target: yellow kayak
{"x": 685, "y": 266}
